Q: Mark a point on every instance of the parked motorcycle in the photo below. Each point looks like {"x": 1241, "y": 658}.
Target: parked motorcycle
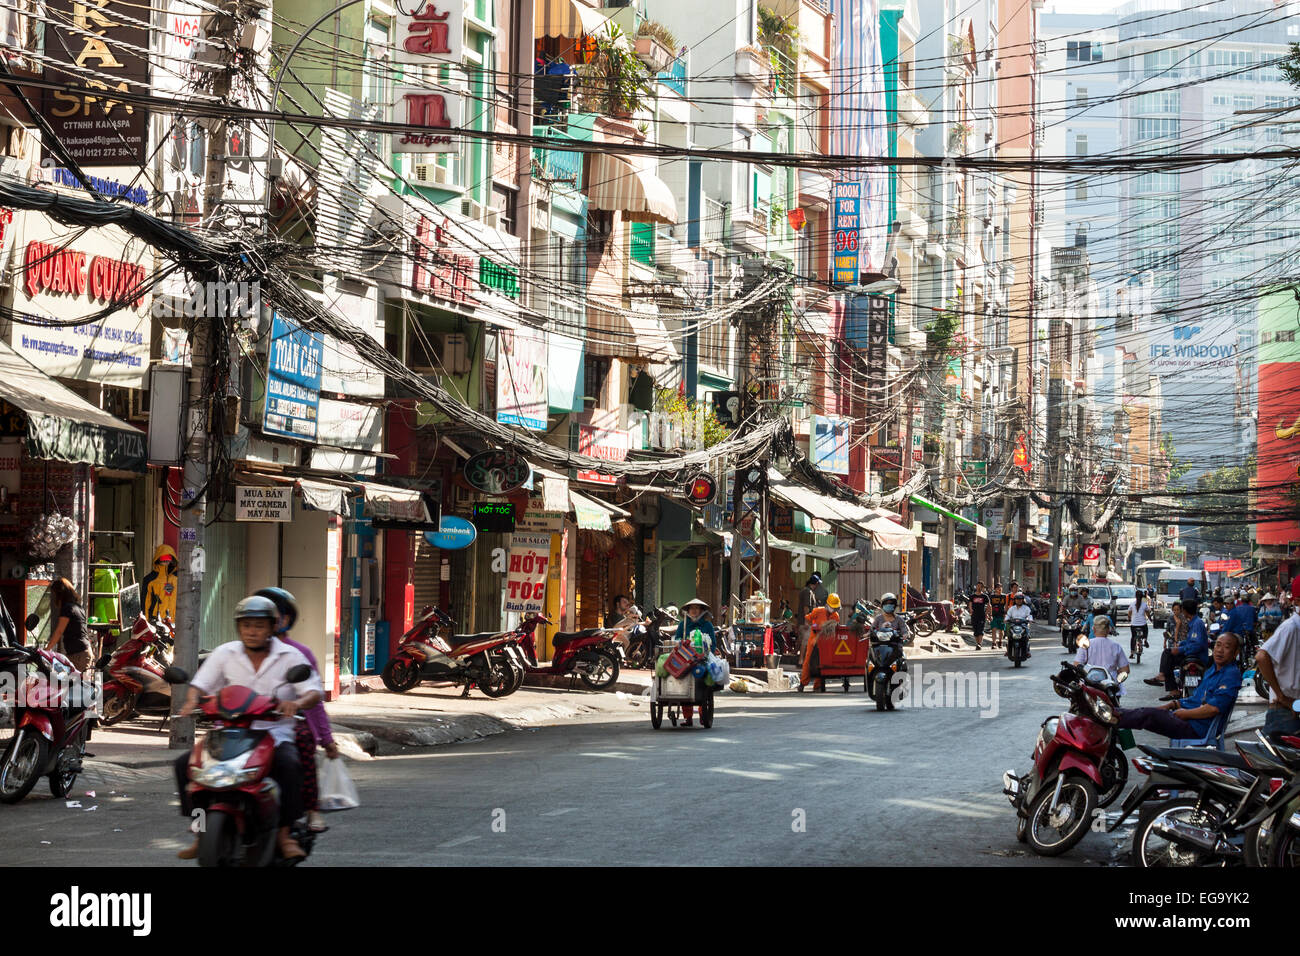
{"x": 885, "y": 658}
{"x": 1018, "y": 641}
{"x": 1078, "y": 764}
{"x": 52, "y": 722}
{"x": 644, "y": 634}
{"x": 230, "y": 779}
{"x": 490, "y": 661}
{"x": 1202, "y": 807}
{"x": 591, "y": 654}
{"x": 133, "y": 675}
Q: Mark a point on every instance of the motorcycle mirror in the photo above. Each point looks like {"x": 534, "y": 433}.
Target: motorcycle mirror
{"x": 33, "y": 620}
{"x": 176, "y": 675}
{"x": 1296, "y": 706}
{"x": 1123, "y": 677}
{"x": 297, "y": 674}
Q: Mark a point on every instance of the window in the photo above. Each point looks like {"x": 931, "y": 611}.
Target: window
{"x": 1156, "y": 183}
{"x": 1081, "y": 235}
{"x": 1226, "y": 61}
{"x": 1157, "y": 129}
{"x": 1081, "y": 98}
{"x": 1166, "y": 101}
{"x": 1287, "y": 336}
{"x": 1162, "y": 63}
{"x": 1221, "y": 99}
{"x": 1081, "y": 189}
{"x": 1082, "y": 51}
{"x": 1243, "y": 102}
{"x": 1272, "y": 134}
{"x": 1080, "y": 145}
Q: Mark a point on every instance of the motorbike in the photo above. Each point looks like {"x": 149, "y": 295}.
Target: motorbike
{"x": 885, "y": 658}
{"x": 1187, "y": 676}
{"x": 490, "y": 661}
{"x": 592, "y": 654}
{"x": 942, "y": 614}
{"x": 230, "y": 779}
{"x": 52, "y": 722}
{"x": 1018, "y": 641}
{"x": 133, "y": 674}
{"x": 1078, "y": 766}
{"x": 644, "y": 635}
{"x": 1071, "y": 628}
{"x": 1201, "y": 807}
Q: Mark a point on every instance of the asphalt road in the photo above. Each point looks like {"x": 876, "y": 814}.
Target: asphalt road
{"x": 790, "y": 779}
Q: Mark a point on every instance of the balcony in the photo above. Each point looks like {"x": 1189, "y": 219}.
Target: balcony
{"x": 675, "y": 77}
{"x": 643, "y": 244}
{"x": 911, "y": 111}
{"x": 713, "y": 222}
{"x": 814, "y": 188}
{"x": 562, "y": 167}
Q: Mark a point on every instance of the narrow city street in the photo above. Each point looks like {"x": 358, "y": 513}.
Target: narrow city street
{"x": 780, "y": 779}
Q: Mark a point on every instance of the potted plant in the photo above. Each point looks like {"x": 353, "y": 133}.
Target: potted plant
{"x": 655, "y": 46}
{"x": 958, "y": 134}
{"x": 779, "y": 36}
{"x": 614, "y": 82}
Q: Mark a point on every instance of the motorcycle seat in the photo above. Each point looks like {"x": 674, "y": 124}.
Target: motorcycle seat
{"x": 1219, "y": 758}
{"x": 568, "y": 637}
{"x": 459, "y": 639}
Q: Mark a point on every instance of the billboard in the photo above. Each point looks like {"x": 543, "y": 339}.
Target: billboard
{"x": 1192, "y": 347}
{"x": 522, "y": 397}
{"x": 847, "y": 226}
{"x": 831, "y": 444}
{"x": 1278, "y": 435}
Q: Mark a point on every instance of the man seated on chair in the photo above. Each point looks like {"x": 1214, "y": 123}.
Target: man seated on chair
{"x": 1192, "y": 717}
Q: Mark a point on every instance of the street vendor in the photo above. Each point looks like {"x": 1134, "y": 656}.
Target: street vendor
{"x": 693, "y": 619}
{"x": 820, "y": 620}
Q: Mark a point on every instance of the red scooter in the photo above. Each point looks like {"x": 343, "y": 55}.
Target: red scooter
{"x": 51, "y": 723}
{"x": 1078, "y": 764}
{"x": 593, "y": 654}
{"x": 490, "y": 661}
{"x": 134, "y": 681}
{"x": 231, "y": 782}
{"x": 945, "y": 616}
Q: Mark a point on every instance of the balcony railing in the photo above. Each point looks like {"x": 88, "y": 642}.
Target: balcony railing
{"x": 785, "y": 74}
{"x": 763, "y": 216}
{"x": 643, "y": 243}
{"x": 675, "y": 77}
{"x": 560, "y": 165}
{"x": 714, "y": 221}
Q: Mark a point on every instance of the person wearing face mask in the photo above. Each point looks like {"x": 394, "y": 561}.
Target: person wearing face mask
{"x": 888, "y": 615}
{"x": 1019, "y": 611}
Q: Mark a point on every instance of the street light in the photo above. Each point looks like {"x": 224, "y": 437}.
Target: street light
{"x": 880, "y": 287}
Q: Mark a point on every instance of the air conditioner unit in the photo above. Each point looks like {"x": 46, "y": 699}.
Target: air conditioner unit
{"x": 431, "y": 174}
{"x": 455, "y": 353}
{"x": 473, "y": 210}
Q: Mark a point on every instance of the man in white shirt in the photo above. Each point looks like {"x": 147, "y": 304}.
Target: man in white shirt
{"x": 1278, "y": 660}
{"x": 1104, "y": 652}
{"x": 258, "y": 661}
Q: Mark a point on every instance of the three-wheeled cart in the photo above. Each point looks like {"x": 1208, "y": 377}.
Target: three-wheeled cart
{"x": 843, "y": 654}
{"x": 669, "y": 694}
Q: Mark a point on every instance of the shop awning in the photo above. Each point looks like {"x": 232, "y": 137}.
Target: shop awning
{"x": 881, "y": 525}
{"x": 591, "y": 513}
{"x": 390, "y": 505}
{"x": 617, "y": 185}
{"x": 890, "y": 535}
{"x": 980, "y": 530}
{"x": 567, "y": 18}
{"x": 840, "y": 557}
{"x": 63, "y": 426}
{"x": 324, "y": 495}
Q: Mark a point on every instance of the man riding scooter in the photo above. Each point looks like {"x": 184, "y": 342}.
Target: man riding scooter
{"x": 259, "y": 661}
{"x": 1195, "y": 647}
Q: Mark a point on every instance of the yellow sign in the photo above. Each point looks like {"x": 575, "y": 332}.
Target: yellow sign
{"x": 843, "y": 649}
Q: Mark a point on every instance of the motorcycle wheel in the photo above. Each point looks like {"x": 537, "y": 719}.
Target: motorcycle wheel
{"x": 519, "y": 674}
{"x": 923, "y": 627}
{"x": 1286, "y": 849}
{"x": 21, "y": 765}
{"x": 706, "y": 712}
{"x": 1261, "y": 685}
{"x": 1022, "y": 829}
{"x": 1117, "y": 764}
{"x": 604, "y": 672}
{"x": 1151, "y": 850}
{"x": 117, "y": 708}
{"x": 1078, "y": 800}
{"x": 219, "y": 841}
{"x": 62, "y": 781}
{"x": 500, "y": 679}
{"x": 400, "y": 675}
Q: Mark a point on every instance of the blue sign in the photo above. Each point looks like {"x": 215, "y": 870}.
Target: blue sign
{"x": 293, "y": 378}
{"x": 453, "y": 534}
{"x": 831, "y": 444}
{"x": 845, "y": 222}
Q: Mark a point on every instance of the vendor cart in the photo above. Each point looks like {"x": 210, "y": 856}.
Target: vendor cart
{"x": 843, "y": 654}
{"x": 669, "y": 694}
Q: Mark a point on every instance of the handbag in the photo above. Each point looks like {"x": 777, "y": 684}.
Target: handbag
{"x": 336, "y": 789}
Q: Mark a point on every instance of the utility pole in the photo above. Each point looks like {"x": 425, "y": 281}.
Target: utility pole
{"x": 201, "y": 405}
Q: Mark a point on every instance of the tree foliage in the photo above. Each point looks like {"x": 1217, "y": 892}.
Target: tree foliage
{"x": 1177, "y": 466}
{"x": 1230, "y": 538}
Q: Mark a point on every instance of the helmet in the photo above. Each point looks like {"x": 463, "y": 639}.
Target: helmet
{"x": 256, "y": 605}
{"x": 833, "y": 601}
{"x": 888, "y": 597}
{"x": 284, "y": 603}
{"x": 1073, "y": 589}
{"x": 1018, "y": 596}
{"x": 1099, "y": 607}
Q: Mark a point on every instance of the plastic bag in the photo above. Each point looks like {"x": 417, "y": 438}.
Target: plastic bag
{"x": 719, "y": 670}
{"x": 337, "y": 791}
{"x": 661, "y": 669}
{"x": 700, "y": 670}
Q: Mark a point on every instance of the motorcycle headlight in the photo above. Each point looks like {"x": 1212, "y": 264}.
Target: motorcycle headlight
{"x": 220, "y": 774}
{"x": 1103, "y": 710}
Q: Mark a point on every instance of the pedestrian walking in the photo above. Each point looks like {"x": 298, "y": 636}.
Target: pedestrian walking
{"x": 979, "y": 605}
{"x": 997, "y": 616}
{"x": 70, "y": 636}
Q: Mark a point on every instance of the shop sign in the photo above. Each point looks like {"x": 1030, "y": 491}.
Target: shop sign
{"x": 292, "y": 380}
{"x": 976, "y": 473}
{"x": 6, "y": 239}
{"x": 702, "y": 489}
{"x": 257, "y": 503}
{"x": 540, "y": 522}
{"x": 64, "y": 275}
{"x": 1227, "y": 564}
{"x": 609, "y": 444}
{"x": 494, "y": 517}
{"x": 497, "y": 471}
{"x": 781, "y": 519}
{"x": 846, "y": 198}
{"x": 530, "y": 555}
{"x": 994, "y": 521}
{"x": 886, "y": 459}
{"x": 437, "y": 268}
{"x": 522, "y": 398}
{"x": 453, "y": 534}
{"x": 431, "y": 33}
{"x": 1091, "y": 555}
{"x": 499, "y": 278}
{"x": 106, "y": 37}
{"x": 831, "y": 444}
{"x": 108, "y": 188}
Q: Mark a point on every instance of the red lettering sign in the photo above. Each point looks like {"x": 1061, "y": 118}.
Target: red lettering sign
{"x": 428, "y": 33}
{"x": 49, "y": 268}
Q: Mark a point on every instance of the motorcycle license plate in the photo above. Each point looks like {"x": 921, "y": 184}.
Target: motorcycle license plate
{"x": 1192, "y": 683}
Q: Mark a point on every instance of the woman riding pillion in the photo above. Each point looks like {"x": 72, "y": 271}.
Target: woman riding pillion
{"x": 258, "y": 660}
{"x": 693, "y": 621}
{"x": 315, "y": 727}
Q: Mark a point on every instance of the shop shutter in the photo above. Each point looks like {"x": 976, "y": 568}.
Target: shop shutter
{"x": 426, "y": 574}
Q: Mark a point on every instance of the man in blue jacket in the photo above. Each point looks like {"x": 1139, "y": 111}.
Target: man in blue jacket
{"x": 1241, "y": 619}
{"x": 1194, "y": 647}
{"x": 1192, "y": 717}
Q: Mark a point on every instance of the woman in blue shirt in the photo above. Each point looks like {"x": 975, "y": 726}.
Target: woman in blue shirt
{"x": 694, "y": 620}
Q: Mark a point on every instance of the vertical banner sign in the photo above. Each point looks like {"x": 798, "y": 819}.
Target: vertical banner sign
{"x": 877, "y": 339}
{"x": 522, "y": 398}
{"x": 831, "y": 444}
{"x": 292, "y": 380}
{"x": 918, "y": 438}
{"x": 530, "y": 556}
{"x": 848, "y": 196}
{"x": 431, "y": 34}
{"x": 104, "y": 36}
